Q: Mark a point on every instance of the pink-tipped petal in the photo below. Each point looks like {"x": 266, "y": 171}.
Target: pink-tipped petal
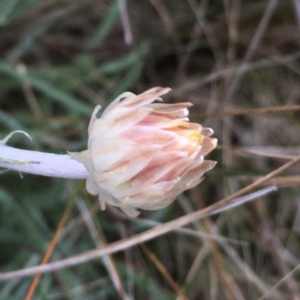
{"x": 207, "y": 131}
{"x": 146, "y": 97}
{"x": 146, "y": 135}
{"x": 118, "y": 122}
{"x": 93, "y": 118}
{"x": 116, "y": 102}
{"x": 208, "y": 145}
{"x": 161, "y": 164}
{"x": 110, "y": 153}
{"x": 127, "y": 167}
{"x": 130, "y": 211}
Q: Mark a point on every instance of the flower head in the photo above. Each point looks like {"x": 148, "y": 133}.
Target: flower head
{"x": 143, "y": 154}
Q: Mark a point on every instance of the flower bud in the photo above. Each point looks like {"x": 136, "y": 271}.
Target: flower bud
{"x": 143, "y": 154}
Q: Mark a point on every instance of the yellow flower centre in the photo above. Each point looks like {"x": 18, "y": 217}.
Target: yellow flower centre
{"x": 193, "y": 135}
{"x": 183, "y": 130}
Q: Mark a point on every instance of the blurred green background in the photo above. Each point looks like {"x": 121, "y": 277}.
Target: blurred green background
{"x": 60, "y": 58}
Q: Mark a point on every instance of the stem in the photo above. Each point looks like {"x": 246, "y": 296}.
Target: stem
{"x": 40, "y": 163}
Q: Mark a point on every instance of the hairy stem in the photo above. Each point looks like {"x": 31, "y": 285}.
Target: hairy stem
{"x": 40, "y": 163}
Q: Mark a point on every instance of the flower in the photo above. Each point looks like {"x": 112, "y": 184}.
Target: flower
{"x": 143, "y": 154}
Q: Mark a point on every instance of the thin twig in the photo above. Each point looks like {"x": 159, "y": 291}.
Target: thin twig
{"x": 51, "y": 246}
{"x": 125, "y": 22}
{"x": 245, "y": 67}
{"x": 99, "y": 239}
{"x": 250, "y": 111}
{"x": 265, "y": 20}
{"x": 274, "y": 152}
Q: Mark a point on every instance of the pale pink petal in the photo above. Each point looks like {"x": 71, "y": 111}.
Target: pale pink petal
{"x": 207, "y": 131}
{"x": 159, "y": 121}
{"x": 145, "y": 98}
{"x": 119, "y": 121}
{"x": 176, "y": 110}
{"x": 208, "y": 144}
{"x": 92, "y": 186}
{"x": 76, "y": 156}
{"x": 193, "y": 175}
{"x": 185, "y": 184}
{"x": 107, "y": 197}
{"x": 161, "y": 164}
{"x": 146, "y": 135}
{"x": 84, "y": 157}
{"x": 116, "y": 102}
{"x": 134, "y": 101}
{"x": 183, "y": 167}
{"x": 110, "y": 152}
{"x": 136, "y": 196}
{"x": 181, "y": 144}
{"x": 165, "y": 121}
{"x": 161, "y": 204}
{"x": 93, "y": 118}
{"x": 127, "y": 167}
{"x": 157, "y": 89}
{"x": 130, "y": 211}
{"x": 195, "y": 160}
{"x": 195, "y": 126}
{"x": 161, "y": 200}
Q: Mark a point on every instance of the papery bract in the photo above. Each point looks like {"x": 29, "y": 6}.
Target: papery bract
{"x": 143, "y": 154}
